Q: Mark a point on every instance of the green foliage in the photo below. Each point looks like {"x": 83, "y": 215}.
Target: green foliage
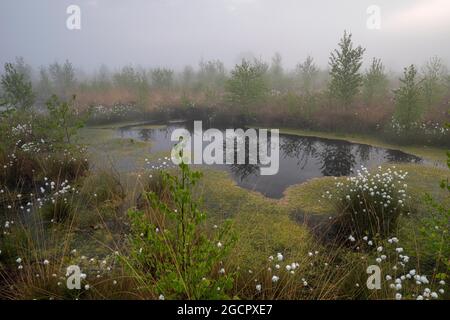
{"x": 23, "y": 68}
{"x": 17, "y": 90}
{"x": 210, "y": 80}
{"x": 345, "y": 63}
{"x": 162, "y": 78}
{"x": 433, "y": 81}
{"x": 211, "y": 74}
{"x": 435, "y": 233}
{"x": 187, "y": 77}
{"x": 370, "y": 203}
{"x": 101, "y": 188}
{"x": 14, "y": 242}
{"x": 129, "y": 78}
{"x": 142, "y": 90}
{"x": 45, "y": 85}
{"x": 59, "y": 211}
{"x": 63, "y": 77}
{"x": 175, "y": 251}
{"x": 307, "y": 71}
{"x": 247, "y": 85}
{"x": 276, "y": 72}
{"x": 101, "y": 80}
{"x": 408, "y": 99}
{"x": 126, "y": 78}
{"x": 375, "y": 82}
{"x": 64, "y": 120}
{"x": 436, "y": 226}
{"x": 35, "y": 146}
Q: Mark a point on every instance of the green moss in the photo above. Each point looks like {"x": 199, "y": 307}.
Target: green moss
{"x": 149, "y": 126}
{"x": 262, "y": 224}
{"x": 141, "y": 124}
{"x": 106, "y": 150}
{"x": 422, "y": 180}
{"x": 92, "y": 136}
{"x": 307, "y": 197}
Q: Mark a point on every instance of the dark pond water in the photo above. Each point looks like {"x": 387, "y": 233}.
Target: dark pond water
{"x": 301, "y": 159}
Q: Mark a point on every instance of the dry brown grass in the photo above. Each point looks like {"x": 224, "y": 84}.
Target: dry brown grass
{"x": 154, "y": 98}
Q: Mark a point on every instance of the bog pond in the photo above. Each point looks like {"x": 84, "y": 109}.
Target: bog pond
{"x": 301, "y": 158}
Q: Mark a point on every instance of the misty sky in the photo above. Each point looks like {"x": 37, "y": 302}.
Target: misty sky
{"x": 174, "y": 33}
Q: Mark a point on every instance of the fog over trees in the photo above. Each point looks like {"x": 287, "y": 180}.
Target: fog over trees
{"x": 175, "y": 33}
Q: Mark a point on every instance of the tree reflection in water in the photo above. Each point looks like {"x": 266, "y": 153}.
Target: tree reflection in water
{"x": 399, "y": 156}
{"x": 298, "y": 148}
{"x": 337, "y": 160}
{"x": 301, "y": 158}
{"x": 363, "y": 150}
{"x": 242, "y": 171}
{"x": 146, "y": 134}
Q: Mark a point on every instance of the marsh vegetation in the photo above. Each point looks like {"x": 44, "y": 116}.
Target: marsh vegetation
{"x": 86, "y": 180}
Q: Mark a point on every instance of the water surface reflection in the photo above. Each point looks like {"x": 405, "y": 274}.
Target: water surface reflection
{"x": 301, "y": 159}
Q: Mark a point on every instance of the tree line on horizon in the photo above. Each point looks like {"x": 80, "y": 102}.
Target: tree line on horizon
{"x": 248, "y": 83}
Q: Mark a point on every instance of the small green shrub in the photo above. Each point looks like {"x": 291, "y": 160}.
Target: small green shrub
{"x": 173, "y": 253}
{"x": 17, "y": 90}
{"x": 64, "y": 120}
{"x": 409, "y": 106}
{"x": 370, "y": 203}
{"x": 247, "y": 85}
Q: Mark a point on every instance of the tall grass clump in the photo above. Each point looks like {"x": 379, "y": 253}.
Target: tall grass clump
{"x": 370, "y": 203}
{"x": 435, "y": 227}
{"x": 170, "y": 249}
{"x": 155, "y": 184}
